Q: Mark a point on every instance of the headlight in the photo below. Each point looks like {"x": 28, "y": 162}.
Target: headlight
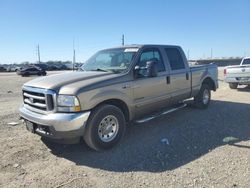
{"x": 68, "y": 103}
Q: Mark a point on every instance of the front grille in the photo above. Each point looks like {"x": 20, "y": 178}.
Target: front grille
{"x": 39, "y": 100}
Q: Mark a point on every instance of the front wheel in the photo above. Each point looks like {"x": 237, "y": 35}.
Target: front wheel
{"x": 233, "y": 85}
{"x": 105, "y": 127}
{"x": 202, "y": 99}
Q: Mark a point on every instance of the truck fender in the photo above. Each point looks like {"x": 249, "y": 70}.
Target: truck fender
{"x": 209, "y": 81}
{"x": 111, "y": 96}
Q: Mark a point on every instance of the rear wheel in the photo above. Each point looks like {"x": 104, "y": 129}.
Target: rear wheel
{"x": 202, "y": 99}
{"x": 26, "y": 74}
{"x": 233, "y": 85}
{"x": 105, "y": 127}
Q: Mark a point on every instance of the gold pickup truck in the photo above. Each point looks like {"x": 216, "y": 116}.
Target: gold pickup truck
{"x": 116, "y": 86}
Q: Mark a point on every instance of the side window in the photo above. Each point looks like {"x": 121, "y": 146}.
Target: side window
{"x": 175, "y": 58}
{"x": 153, "y": 55}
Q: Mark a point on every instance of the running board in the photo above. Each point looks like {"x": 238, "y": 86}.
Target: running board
{"x": 161, "y": 113}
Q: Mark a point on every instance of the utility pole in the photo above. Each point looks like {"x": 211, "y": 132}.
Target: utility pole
{"x": 211, "y": 53}
{"x": 74, "y": 59}
{"x": 74, "y": 55}
{"x": 38, "y": 54}
{"x": 188, "y": 54}
{"x": 122, "y": 40}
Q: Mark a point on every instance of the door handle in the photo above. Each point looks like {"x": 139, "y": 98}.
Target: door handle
{"x": 135, "y": 87}
{"x": 126, "y": 86}
{"x": 187, "y": 76}
{"x": 168, "y": 79}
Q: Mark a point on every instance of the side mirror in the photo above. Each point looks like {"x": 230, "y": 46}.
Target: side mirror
{"x": 136, "y": 71}
{"x": 151, "y": 68}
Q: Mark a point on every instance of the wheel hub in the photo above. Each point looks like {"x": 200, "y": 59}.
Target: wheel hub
{"x": 108, "y": 128}
{"x": 206, "y": 96}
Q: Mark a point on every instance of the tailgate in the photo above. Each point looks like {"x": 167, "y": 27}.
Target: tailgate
{"x": 238, "y": 71}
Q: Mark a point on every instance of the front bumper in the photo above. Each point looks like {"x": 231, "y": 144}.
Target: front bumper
{"x": 56, "y": 125}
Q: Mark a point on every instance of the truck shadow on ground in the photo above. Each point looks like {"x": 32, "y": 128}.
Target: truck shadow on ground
{"x": 187, "y": 134}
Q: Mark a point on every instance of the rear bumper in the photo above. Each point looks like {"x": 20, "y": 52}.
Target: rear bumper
{"x": 237, "y": 80}
{"x": 56, "y": 125}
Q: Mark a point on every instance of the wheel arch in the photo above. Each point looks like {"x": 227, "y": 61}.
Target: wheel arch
{"x": 118, "y": 103}
{"x": 210, "y": 82}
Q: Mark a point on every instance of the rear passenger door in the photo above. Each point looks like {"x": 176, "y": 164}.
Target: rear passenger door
{"x": 150, "y": 93}
{"x": 180, "y": 78}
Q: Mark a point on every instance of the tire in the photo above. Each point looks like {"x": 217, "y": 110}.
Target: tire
{"x": 26, "y": 74}
{"x": 105, "y": 127}
{"x": 202, "y": 99}
{"x": 233, "y": 85}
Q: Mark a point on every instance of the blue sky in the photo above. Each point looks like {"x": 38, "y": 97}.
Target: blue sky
{"x": 198, "y": 26}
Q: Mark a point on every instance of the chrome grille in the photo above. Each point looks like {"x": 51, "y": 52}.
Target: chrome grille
{"x": 38, "y": 99}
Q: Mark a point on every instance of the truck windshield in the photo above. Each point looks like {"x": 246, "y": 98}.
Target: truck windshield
{"x": 113, "y": 60}
{"x": 246, "y": 62}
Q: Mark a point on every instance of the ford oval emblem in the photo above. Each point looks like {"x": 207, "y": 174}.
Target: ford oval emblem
{"x": 243, "y": 70}
{"x": 31, "y": 100}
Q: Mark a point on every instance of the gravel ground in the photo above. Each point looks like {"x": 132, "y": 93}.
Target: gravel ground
{"x": 203, "y": 148}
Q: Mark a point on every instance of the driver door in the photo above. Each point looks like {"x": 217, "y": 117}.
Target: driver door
{"x": 150, "y": 93}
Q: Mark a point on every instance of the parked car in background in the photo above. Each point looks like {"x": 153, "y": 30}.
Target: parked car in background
{"x": 42, "y": 66}
{"x": 12, "y": 68}
{"x": 191, "y": 63}
{"x": 53, "y": 68}
{"x": 77, "y": 66}
{"x": 31, "y": 71}
{"x": 239, "y": 74}
{"x": 2, "y": 69}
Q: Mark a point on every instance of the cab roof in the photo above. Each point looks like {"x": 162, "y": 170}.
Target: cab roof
{"x": 142, "y": 46}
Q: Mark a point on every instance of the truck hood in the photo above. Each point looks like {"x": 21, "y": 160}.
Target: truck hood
{"x": 60, "y": 81}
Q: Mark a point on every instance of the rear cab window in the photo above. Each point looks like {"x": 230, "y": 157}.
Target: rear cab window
{"x": 175, "y": 59}
{"x": 246, "y": 62}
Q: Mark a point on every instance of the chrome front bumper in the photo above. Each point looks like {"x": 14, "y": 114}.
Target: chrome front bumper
{"x": 57, "y": 122}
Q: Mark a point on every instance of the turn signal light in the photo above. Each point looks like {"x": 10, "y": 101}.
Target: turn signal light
{"x": 77, "y": 108}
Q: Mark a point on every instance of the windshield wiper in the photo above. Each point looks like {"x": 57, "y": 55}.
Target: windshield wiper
{"x": 101, "y": 70}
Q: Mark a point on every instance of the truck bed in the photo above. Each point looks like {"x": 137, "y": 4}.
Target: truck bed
{"x": 198, "y": 72}
{"x": 210, "y": 68}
